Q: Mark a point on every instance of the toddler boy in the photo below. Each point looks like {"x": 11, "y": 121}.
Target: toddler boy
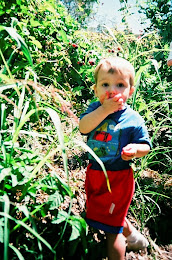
{"x": 116, "y": 134}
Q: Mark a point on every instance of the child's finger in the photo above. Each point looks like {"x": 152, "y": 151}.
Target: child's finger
{"x": 117, "y": 97}
{"x": 128, "y": 151}
{"x": 120, "y": 100}
{"x": 107, "y": 95}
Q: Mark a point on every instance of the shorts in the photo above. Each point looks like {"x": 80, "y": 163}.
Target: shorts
{"x": 107, "y": 210}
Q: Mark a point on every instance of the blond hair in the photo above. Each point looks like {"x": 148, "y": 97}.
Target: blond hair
{"x": 115, "y": 64}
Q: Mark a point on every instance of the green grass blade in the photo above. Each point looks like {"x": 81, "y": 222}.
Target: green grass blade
{"x": 26, "y": 218}
{"x": 157, "y": 128}
{"x": 20, "y": 42}
{"x": 19, "y": 255}
{"x": 24, "y": 209}
{"x": 32, "y": 231}
{"x": 65, "y": 225}
{"x": 6, "y": 228}
{"x": 6, "y": 65}
{"x": 5, "y": 87}
{"x": 137, "y": 82}
{"x": 26, "y": 106}
{"x": 8, "y": 86}
{"x": 20, "y": 104}
{"x": 88, "y": 149}
{"x": 42, "y": 162}
{"x": 3, "y": 117}
{"x": 57, "y": 123}
{"x": 26, "y": 117}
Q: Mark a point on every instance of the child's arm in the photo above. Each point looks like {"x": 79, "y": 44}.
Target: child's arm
{"x": 93, "y": 119}
{"x": 134, "y": 150}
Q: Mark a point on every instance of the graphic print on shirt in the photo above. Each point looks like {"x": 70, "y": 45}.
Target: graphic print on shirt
{"x": 105, "y": 140}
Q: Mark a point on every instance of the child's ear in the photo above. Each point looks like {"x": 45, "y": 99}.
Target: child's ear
{"x": 95, "y": 90}
{"x": 131, "y": 90}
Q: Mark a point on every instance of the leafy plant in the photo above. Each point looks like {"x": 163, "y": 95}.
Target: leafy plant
{"x": 47, "y": 64}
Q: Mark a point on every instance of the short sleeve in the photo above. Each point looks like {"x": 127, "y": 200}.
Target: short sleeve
{"x": 140, "y": 134}
{"x": 93, "y": 106}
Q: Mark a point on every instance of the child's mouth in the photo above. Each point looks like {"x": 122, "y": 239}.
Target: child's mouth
{"x": 110, "y": 95}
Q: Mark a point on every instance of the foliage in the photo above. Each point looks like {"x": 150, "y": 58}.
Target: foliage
{"x": 47, "y": 65}
{"x": 52, "y": 38}
{"x": 80, "y": 10}
{"x": 21, "y": 186}
{"x": 159, "y": 13}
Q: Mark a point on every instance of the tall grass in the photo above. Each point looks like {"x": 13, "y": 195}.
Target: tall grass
{"x": 11, "y": 164}
{"x": 27, "y": 183}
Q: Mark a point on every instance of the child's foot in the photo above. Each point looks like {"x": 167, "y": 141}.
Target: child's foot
{"x": 136, "y": 241}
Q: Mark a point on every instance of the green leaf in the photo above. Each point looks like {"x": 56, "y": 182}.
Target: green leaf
{"x": 34, "y": 23}
{"x": 19, "y": 2}
{"x": 5, "y": 172}
{"x": 63, "y": 35}
{"x": 14, "y": 180}
{"x": 32, "y": 191}
{"x": 38, "y": 44}
{"x": 55, "y": 200}
{"x": 61, "y": 217}
{"x": 67, "y": 60}
{"x": 64, "y": 185}
{"x": 20, "y": 42}
{"x": 43, "y": 213}
{"x": 49, "y": 7}
{"x": 76, "y": 229}
{"x": 3, "y": 115}
{"x": 8, "y": 187}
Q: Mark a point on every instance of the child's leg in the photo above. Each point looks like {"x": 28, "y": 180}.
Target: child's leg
{"x": 115, "y": 246}
{"x": 135, "y": 239}
{"x": 128, "y": 228}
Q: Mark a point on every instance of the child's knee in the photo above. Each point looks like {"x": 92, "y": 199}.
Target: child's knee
{"x": 116, "y": 241}
{"x": 116, "y": 246}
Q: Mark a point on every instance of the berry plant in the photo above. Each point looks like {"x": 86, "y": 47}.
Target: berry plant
{"x": 46, "y": 76}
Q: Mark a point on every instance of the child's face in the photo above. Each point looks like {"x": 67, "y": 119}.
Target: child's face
{"x": 111, "y": 83}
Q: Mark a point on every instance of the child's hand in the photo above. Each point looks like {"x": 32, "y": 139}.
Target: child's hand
{"x": 112, "y": 103}
{"x": 129, "y": 152}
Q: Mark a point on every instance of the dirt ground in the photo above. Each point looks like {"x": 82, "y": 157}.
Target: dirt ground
{"x": 77, "y": 177}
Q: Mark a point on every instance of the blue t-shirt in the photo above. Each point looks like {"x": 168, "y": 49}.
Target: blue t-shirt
{"x": 112, "y": 134}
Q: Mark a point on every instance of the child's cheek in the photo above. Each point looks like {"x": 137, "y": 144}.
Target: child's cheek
{"x": 102, "y": 98}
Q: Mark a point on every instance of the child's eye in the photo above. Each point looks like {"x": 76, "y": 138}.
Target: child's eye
{"x": 120, "y": 85}
{"x": 105, "y": 85}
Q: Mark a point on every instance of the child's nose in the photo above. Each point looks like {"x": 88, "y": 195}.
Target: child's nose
{"x": 112, "y": 91}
